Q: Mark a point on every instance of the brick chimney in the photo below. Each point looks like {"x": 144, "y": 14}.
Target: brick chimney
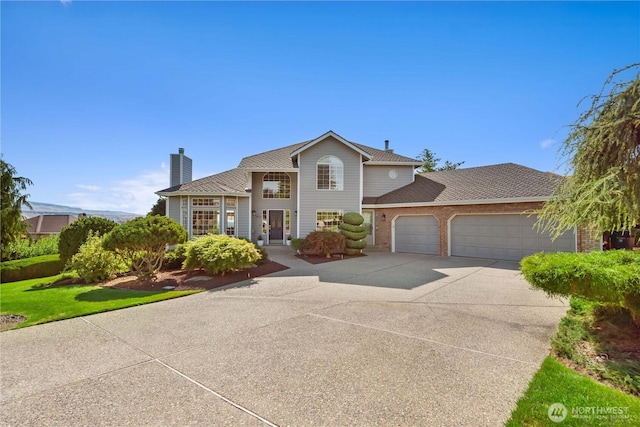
{"x": 180, "y": 168}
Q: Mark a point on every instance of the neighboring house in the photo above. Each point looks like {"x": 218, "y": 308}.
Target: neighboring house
{"x": 45, "y": 225}
{"x": 293, "y": 190}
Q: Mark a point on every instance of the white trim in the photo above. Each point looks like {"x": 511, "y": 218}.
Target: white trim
{"x": 196, "y": 194}
{"x": 325, "y": 136}
{"x": 298, "y": 185}
{"x": 391, "y": 163}
{"x": 459, "y": 202}
{"x": 361, "y": 185}
{"x": 273, "y": 169}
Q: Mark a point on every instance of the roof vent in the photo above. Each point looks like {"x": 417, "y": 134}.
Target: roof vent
{"x": 386, "y": 146}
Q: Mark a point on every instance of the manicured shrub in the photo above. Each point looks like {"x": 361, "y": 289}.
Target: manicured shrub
{"x": 352, "y": 218}
{"x": 31, "y": 268}
{"x": 264, "y": 255}
{"x": 219, "y": 254}
{"x": 29, "y": 248}
{"x": 94, "y": 264}
{"x": 324, "y": 243}
{"x": 356, "y": 244}
{"x": 174, "y": 258}
{"x": 297, "y": 244}
{"x": 142, "y": 242}
{"x": 354, "y": 232}
{"x": 75, "y": 234}
{"x": 605, "y": 277}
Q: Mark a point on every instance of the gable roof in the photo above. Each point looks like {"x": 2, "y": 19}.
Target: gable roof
{"x": 231, "y": 182}
{"x": 284, "y": 158}
{"x": 331, "y": 133}
{"x": 486, "y": 184}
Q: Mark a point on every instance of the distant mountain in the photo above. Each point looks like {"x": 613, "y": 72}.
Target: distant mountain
{"x": 51, "y": 209}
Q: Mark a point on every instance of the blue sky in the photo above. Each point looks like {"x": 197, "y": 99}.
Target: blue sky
{"x": 96, "y": 95}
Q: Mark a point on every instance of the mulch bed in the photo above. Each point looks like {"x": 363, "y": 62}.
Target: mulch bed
{"x": 321, "y": 259}
{"x": 178, "y": 279}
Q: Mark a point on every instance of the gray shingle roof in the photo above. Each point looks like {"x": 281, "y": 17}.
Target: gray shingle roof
{"x": 280, "y": 158}
{"x": 495, "y": 182}
{"x": 232, "y": 181}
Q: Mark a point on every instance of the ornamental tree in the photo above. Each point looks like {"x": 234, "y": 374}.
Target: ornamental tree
{"x": 11, "y": 223}
{"x": 142, "y": 241}
{"x": 74, "y": 235}
{"x": 602, "y": 189}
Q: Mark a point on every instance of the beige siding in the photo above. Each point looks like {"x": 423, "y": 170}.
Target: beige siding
{"x": 377, "y": 179}
{"x": 312, "y": 199}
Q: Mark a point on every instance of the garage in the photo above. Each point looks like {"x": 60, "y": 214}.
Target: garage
{"x": 505, "y": 237}
{"x": 416, "y": 234}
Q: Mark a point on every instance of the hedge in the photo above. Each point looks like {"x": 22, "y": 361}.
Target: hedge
{"x": 31, "y": 268}
{"x": 606, "y": 277}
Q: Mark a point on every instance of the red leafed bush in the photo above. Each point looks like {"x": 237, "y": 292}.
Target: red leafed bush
{"x": 324, "y": 243}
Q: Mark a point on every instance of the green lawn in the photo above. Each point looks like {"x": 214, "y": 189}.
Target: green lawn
{"x": 587, "y": 402}
{"x": 40, "y": 302}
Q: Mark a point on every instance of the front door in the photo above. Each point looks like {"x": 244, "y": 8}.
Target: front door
{"x": 276, "y": 226}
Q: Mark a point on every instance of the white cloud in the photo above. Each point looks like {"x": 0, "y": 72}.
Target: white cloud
{"x": 135, "y": 194}
{"x": 88, "y": 187}
{"x": 547, "y": 143}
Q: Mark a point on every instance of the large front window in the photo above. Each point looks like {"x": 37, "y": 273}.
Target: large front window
{"x": 276, "y": 185}
{"x": 328, "y": 220}
{"x": 205, "y": 216}
{"x": 330, "y": 171}
{"x": 205, "y": 222}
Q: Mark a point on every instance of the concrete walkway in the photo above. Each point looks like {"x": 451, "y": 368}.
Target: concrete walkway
{"x": 386, "y": 339}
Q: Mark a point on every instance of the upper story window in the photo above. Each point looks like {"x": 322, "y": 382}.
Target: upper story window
{"x": 276, "y": 185}
{"x": 330, "y": 173}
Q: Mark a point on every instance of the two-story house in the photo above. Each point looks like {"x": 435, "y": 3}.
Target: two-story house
{"x": 293, "y": 190}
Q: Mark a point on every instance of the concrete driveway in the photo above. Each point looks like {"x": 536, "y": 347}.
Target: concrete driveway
{"x": 387, "y": 339}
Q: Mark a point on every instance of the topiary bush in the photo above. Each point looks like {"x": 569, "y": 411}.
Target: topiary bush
{"x": 31, "y": 268}
{"x": 325, "y": 243}
{"x": 75, "y": 234}
{"x": 219, "y": 254}
{"x": 605, "y": 277}
{"x": 95, "y": 264}
{"x": 354, "y": 232}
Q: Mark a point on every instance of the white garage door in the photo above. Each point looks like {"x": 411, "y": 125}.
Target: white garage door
{"x": 416, "y": 234}
{"x": 508, "y": 237}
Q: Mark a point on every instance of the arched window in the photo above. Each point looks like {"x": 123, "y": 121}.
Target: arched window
{"x": 276, "y": 185}
{"x": 330, "y": 171}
